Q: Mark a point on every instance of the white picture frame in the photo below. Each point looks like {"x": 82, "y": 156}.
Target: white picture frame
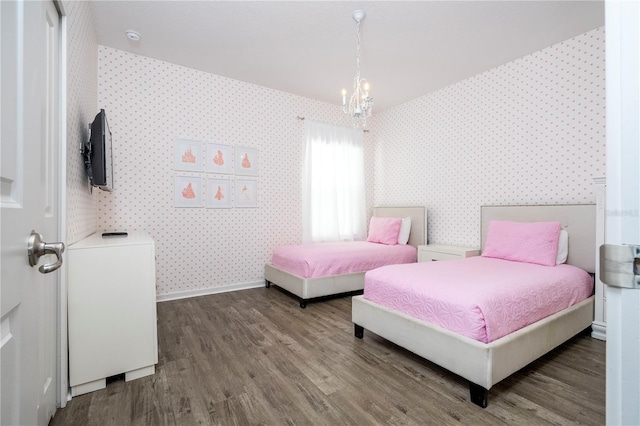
{"x": 246, "y": 192}
{"x": 188, "y": 191}
{"x": 246, "y": 161}
{"x": 218, "y": 193}
{"x": 187, "y": 155}
{"x": 219, "y": 158}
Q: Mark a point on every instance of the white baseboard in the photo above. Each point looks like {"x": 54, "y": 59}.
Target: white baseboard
{"x": 599, "y": 330}
{"x": 206, "y": 291}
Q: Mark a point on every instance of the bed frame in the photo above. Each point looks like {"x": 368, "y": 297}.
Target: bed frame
{"x": 485, "y": 364}
{"x": 311, "y": 288}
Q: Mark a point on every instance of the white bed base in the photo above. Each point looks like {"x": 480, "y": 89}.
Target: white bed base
{"x": 310, "y": 288}
{"x": 485, "y": 364}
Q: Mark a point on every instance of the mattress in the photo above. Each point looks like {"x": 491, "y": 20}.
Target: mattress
{"x": 327, "y": 259}
{"x": 481, "y": 298}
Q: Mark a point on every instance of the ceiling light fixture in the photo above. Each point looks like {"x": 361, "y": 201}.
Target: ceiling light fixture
{"x": 133, "y": 35}
{"x": 360, "y": 104}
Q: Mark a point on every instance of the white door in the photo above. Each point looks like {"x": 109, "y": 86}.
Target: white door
{"x": 29, "y": 129}
{"x": 623, "y": 206}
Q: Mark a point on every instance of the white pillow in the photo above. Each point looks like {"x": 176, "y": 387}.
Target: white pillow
{"x": 405, "y": 230}
{"x": 563, "y": 247}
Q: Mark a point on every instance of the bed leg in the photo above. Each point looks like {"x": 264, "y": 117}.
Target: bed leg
{"x": 478, "y": 395}
{"x": 358, "y": 331}
{"x": 267, "y": 284}
{"x": 303, "y": 303}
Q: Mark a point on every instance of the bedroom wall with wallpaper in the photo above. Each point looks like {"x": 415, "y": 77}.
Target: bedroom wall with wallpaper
{"x": 149, "y": 105}
{"x": 531, "y": 131}
{"x": 82, "y": 99}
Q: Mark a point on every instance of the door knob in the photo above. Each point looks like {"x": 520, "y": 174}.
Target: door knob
{"x": 36, "y": 248}
{"x": 620, "y": 265}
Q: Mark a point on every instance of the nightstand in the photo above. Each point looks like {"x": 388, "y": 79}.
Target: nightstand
{"x": 432, "y": 252}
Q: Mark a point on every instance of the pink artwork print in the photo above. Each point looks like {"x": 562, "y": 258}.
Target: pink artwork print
{"x": 219, "y": 195}
{"x": 188, "y": 156}
{"x": 246, "y": 192}
{"x": 245, "y": 161}
{"x": 188, "y": 192}
{"x": 218, "y": 160}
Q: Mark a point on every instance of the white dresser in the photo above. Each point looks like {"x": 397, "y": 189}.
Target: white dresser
{"x": 432, "y": 252}
{"x": 111, "y": 310}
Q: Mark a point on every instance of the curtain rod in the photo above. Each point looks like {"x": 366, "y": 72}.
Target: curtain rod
{"x": 302, "y": 119}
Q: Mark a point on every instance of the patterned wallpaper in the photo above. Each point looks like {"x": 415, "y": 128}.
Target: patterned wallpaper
{"x": 150, "y": 104}
{"x": 529, "y": 132}
{"x": 82, "y": 101}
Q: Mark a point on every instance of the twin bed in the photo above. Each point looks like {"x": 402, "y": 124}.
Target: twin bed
{"x": 480, "y": 337}
{"x": 482, "y": 318}
{"x": 311, "y": 271}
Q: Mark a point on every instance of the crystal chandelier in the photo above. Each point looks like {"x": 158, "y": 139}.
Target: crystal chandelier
{"x": 360, "y": 104}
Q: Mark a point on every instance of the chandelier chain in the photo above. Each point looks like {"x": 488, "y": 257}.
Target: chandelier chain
{"x": 358, "y": 53}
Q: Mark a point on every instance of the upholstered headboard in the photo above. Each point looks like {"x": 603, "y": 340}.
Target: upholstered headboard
{"x": 578, "y": 219}
{"x": 418, "y": 234}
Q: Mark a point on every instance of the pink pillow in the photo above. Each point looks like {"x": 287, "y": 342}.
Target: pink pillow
{"x": 384, "y": 230}
{"x": 534, "y": 242}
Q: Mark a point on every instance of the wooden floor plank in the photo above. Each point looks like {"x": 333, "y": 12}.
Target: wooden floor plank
{"x": 254, "y": 357}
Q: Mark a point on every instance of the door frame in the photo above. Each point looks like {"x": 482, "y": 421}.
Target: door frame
{"x": 623, "y": 129}
{"x": 63, "y": 393}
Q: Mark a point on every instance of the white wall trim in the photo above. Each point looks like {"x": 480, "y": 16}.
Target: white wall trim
{"x": 206, "y": 291}
{"x": 62, "y": 356}
{"x": 599, "y": 330}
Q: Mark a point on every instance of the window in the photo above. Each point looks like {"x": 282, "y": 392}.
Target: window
{"x": 333, "y": 194}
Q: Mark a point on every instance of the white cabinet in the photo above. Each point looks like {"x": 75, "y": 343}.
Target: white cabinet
{"x": 432, "y": 252}
{"x": 111, "y": 309}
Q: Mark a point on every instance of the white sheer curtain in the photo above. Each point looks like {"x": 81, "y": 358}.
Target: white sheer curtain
{"x": 333, "y": 194}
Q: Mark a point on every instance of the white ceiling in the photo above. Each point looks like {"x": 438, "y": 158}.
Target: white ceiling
{"x": 309, "y": 47}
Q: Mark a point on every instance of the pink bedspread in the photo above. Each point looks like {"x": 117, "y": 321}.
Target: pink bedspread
{"x": 478, "y": 297}
{"x": 326, "y": 259}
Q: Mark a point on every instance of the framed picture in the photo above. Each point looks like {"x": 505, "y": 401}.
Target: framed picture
{"x": 219, "y": 158}
{"x": 218, "y": 193}
{"x": 246, "y": 192}
{"x": 246, "y": 161}
{"x": 188, "y": 191}
{"x": 187, "y": 155}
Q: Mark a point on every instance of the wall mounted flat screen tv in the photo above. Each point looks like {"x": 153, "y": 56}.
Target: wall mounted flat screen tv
{"x": 97, "y": 153}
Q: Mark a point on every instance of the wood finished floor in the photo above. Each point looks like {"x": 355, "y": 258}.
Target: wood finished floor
{"x": 254, "y": 357}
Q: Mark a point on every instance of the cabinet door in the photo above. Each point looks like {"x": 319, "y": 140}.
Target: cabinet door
{"x": 112, "y": 311}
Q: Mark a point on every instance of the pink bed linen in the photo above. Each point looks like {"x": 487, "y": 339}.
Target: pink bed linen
{"x": 478, "y": 297}
{"x": 326, "y": 259}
